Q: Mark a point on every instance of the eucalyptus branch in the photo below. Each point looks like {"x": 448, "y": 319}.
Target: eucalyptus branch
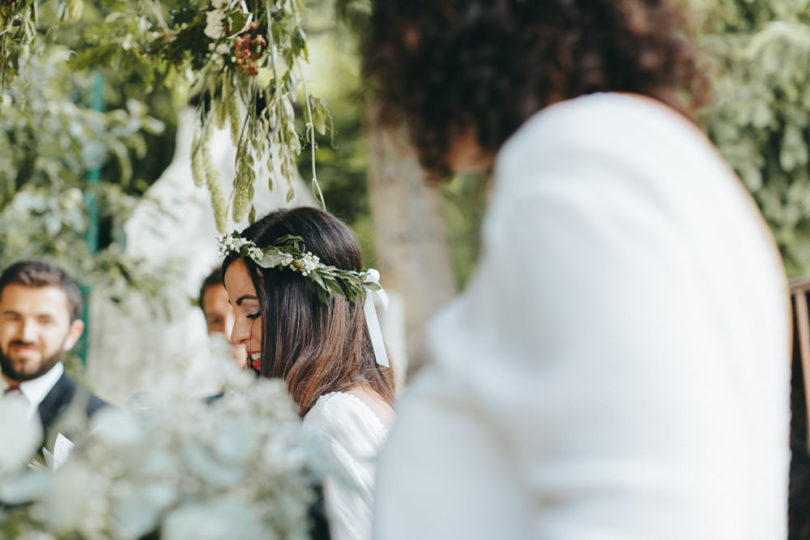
{"x": 316, "y": 186}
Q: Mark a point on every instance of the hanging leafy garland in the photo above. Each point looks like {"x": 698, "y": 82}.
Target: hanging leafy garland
{"x": 245, "y": 58}
{"x": 240, "y": 58}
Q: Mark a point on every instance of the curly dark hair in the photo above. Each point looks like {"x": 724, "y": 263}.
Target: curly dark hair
{"x": 451, "y": 66}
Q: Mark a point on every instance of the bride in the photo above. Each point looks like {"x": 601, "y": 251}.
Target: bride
{"x": 294, "y": 280}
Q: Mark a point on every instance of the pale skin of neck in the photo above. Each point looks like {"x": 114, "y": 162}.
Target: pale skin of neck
{"x": 374, "y": 402}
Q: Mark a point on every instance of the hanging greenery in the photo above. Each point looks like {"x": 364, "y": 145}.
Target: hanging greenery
{"x": 239, "y": 59}
{"x": 245, "y": 59}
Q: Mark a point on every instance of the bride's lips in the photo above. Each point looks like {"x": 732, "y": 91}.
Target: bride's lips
{"x": 255, "y": 360}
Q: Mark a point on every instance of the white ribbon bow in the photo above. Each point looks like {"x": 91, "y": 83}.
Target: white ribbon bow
{"x": 372, "y": 283}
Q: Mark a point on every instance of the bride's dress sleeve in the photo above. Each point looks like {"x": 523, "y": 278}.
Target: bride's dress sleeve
{"x": 617, "y": 367}
{"x": 353, "y": 435}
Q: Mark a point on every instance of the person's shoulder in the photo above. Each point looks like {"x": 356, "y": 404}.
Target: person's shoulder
{"x": 608, "y": 121}
{"x": 338, "y": 406}
{"x": 340, "y": 415}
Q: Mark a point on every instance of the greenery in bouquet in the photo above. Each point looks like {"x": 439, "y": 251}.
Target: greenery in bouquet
{"x": 173, "y": 468}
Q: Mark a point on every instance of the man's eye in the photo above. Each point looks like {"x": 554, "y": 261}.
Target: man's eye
{"x": 254, "y": 316}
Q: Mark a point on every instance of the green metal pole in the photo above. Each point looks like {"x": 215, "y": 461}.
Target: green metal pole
{"x": 91, "y": 234}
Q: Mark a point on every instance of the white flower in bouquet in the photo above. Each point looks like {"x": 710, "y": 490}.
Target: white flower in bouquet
{"x": 15, "y": 418}
{"x": 240, "y": 468}
{"x": 17, "y": 484}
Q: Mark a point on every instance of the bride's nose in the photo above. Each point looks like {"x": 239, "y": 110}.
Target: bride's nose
{"x": 241, "y": 331}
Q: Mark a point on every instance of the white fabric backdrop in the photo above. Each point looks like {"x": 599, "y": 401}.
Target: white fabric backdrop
{"x": 135, "y": 346}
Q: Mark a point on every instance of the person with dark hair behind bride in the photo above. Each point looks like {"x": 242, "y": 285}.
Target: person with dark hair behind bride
{"x": 303, "y": 311}
{"x": 618, "y": 365}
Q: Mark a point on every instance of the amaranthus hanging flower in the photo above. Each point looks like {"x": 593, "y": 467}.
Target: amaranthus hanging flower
{"x": 248, "y": 50}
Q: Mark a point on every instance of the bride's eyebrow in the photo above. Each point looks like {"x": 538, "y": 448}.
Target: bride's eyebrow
{"x": 246, "y": 297}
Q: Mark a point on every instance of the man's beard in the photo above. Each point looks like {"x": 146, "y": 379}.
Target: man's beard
{"x": 7, "y": 366}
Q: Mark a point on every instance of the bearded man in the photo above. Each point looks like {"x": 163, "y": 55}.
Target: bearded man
{"x": 40, "y": 319}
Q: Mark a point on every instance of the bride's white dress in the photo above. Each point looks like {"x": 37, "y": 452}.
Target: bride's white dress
{"x": 618, "y": 367}
{"x": 354, "y": 435}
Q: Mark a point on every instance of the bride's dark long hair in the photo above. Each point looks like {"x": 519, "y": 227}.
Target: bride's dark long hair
{"x": 315, "y": 347}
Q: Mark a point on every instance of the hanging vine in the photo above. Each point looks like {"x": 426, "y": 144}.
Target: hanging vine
{"x": 244, "y": 57}
{"x": 239, "y": 58}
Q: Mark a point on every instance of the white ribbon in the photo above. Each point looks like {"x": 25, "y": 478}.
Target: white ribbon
{"x": 372, "y": 277}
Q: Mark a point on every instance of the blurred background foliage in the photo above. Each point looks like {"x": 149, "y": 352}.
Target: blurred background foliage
{"x": 759, "y": 53}
{"x": 342, "y": 155}
{"x": 50, "y": 137}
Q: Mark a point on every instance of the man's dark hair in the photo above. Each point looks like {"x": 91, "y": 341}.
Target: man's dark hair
{"x": 214, "y": 278}
{"x": 483, "y": 67}
{"x": 44, "y": 274}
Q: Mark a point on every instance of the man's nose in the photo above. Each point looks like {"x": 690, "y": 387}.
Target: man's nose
{"x": 26, "y": 331}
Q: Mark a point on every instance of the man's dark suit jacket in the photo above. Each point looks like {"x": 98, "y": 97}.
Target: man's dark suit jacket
{"x": 57, "y": 400}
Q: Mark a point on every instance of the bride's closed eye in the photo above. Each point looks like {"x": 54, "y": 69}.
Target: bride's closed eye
{"x": 254, "y": 316}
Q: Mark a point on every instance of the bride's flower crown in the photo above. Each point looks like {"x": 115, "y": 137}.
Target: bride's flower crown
{"x": 325, "y": 280}
{"x": 289, "y": 252}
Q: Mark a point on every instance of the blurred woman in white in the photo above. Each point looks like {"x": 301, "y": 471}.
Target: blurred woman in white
{"x": 618, "y": 366}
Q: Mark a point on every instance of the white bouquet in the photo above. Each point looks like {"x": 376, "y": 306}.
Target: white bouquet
{"x": 172, "y": 468}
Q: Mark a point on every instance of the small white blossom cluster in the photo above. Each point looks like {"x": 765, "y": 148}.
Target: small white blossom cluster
{"x": 307, "y": 263}
{"x": 175, "y": 468}
{"x": 229, "y": 243}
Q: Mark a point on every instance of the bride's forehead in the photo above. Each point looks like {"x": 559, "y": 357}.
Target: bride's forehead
{"x": 237, "y": 278}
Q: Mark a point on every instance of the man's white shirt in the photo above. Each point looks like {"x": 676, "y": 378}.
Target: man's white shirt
{"x": 35, "y": 390}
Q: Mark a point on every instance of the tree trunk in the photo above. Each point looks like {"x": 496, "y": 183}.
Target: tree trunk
{"x": 410, "y": 236}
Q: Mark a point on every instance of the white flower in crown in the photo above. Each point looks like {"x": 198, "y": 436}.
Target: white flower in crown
{"x": 307, "y": 263}
{"x": 256, "y": 254}
{"x": 222, "y": 244}
{"x": 229, "y": 243}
